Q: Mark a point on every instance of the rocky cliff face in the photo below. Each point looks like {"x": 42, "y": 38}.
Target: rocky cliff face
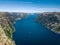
{"x": 7, "y": 19}
{"x": 50, "y": 20}
{"x": 6, "y": 30}
{"x": 4, "y": 40}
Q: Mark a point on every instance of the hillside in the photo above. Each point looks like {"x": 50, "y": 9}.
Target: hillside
{"x": 7, "y": 19}
{"x": 50, "y": 20}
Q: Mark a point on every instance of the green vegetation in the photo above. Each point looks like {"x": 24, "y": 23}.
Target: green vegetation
{"x": 8, "y": 34}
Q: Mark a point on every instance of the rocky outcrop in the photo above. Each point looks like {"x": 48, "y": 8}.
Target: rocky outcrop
{"x": 4, "y": 40}
{"x": 50, "y": 20}
{"x": 6, "y": 30}
{"x": 7, "y": 19}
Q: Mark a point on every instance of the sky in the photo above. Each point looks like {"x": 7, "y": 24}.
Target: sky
{"x": 30, "y": 5}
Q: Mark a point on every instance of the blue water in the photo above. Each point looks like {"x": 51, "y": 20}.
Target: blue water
{"x": 30, "y": 32}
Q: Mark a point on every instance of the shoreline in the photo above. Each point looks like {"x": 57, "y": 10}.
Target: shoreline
{"x": 56, "y": 32}
{"x": 14, "y": 29}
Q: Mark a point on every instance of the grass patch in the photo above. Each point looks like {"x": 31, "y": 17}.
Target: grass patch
{"x": 8, "y": 34}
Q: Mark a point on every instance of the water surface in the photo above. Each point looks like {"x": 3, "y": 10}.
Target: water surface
{"x": 30, "y": 32}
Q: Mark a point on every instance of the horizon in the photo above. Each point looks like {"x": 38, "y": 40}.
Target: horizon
{"x": 40, "y": 11}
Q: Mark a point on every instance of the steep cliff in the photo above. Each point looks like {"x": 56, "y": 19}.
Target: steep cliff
{"x": 50, "y": 20}
{"x": 7, "y": 19}
{"x": 6, "y": 30}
